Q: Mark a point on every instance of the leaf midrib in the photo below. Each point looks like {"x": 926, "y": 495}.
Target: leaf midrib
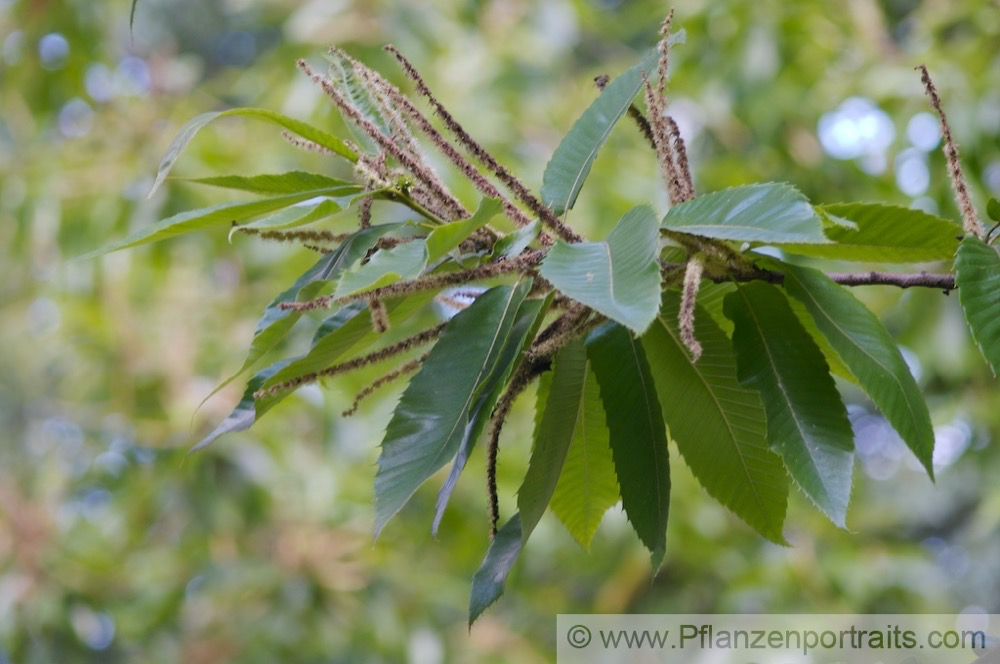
{"x": 781, "y": 384}
{"x": 592, "y": 155}
{"x": 479, "y": 376}
{"x": 581, "y": 430}
{"x": 651, "y": 423}
{"x": 729, "y": 427}
{"x": 902, "y": 391}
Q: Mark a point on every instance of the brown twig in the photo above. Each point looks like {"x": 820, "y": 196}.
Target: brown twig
{"x": 945, "y": 282}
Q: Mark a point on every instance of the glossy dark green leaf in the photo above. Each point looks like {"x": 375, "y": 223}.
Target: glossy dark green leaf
{"x": 837, "y": 366}
{"x": 570, "y": 164}
{"x": 870, "y": 353}
{"x": 431, "y": 420}
{"x": 883, "y": 234}
{"x": 807, "y": 422}
{"x": 769, "y": 213}
{"x": 637, "y": 435}
{"x": 977, "y": 275}
{"x": 491, "y": 578}
{"x": 245, "y": 413}
{"x": 619, "y": 277}
{"x": 488, "y": 392}
{"x": 306, "y": 131}
{"x": 711, "y": 297}
{"x": 720, "y": 427}
{"x": 278, "y": 183}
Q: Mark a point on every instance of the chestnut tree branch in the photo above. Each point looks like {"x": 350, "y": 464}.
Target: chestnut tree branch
{"x": 923, "y": 279}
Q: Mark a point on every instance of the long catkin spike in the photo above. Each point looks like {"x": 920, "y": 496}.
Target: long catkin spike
{"x": 358, "y": 362}
{"x": 369, "y": 389}
{"x": 685, "y": 317}
{"x": 969, "y": 219}
{"x": 484, "y": 157}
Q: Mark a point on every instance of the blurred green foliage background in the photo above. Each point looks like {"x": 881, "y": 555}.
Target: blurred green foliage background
{"x": 114, "y": 548}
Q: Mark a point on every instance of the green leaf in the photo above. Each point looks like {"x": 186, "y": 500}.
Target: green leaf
{"x": 883, "y": 234}
{"x": 409, "y": 260}
{"x": 871, "y": 355}
{"x": 131, "y": 16}
{"x": 719, "y": 426}
{"x": 245, "y": 413}
{"x": 443, "y": 239}
{"x": 553, "y": 434}
{"x": 837, "y": 366}
{"x": 276, "y": 322}
{"x": 637, "y": 436}
{"x": 489, "y": 581}
{"x": 529, "y": 318}
{"x": 431, "y": 420}
{"x": 386, "y": 266}
{"x": 570, "y": 164}
{"x": 299, "y": 214}
{"x": 512, "y": 244}
{"x": 306, "y": 131}
{"x": 194, "y": 220}
{"x": 977, "y": 275}
{"x": 619, "y": 277}
{"x": 587, "y": 487}
{"x": 807, "y": 422}
{"x": 280, "y": 183}
{"x": 769, "y": 213}
{"x": 345, "y": 332}
{"x": 711, "y": 297}
{"x": 993, "y": 209}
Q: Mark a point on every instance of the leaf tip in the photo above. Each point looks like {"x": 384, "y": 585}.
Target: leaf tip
{"x": 656, "y": 560}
